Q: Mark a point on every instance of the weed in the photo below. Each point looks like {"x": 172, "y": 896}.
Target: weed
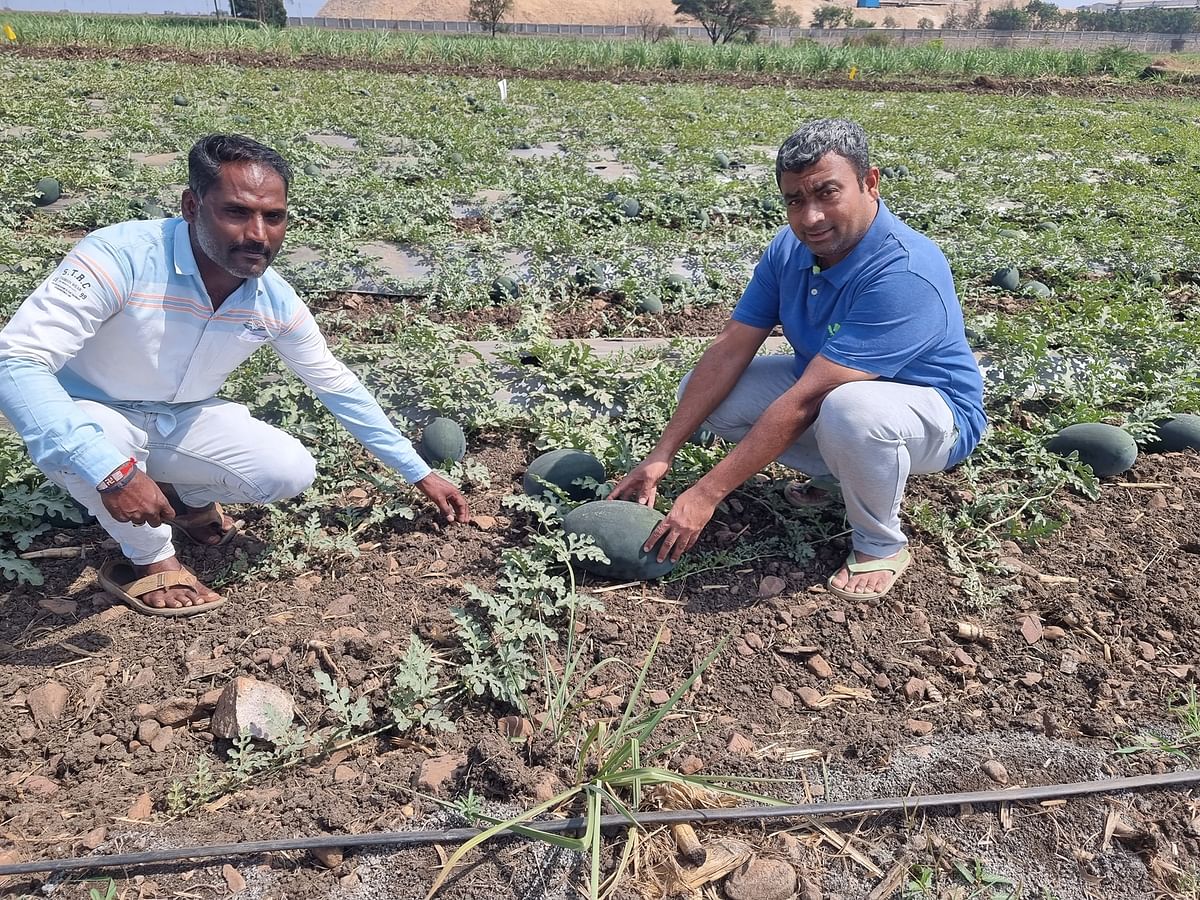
{"x": 413, "y": 698}
{"x": 108, "y": 893}
{"x": 1183, "y": 743}
{"x": 352, "y": 715}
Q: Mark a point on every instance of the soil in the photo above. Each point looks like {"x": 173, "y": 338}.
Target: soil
{"x": 1097, "y": 639}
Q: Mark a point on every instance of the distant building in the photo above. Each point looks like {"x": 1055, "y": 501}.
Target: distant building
{"x": 868, "y": 4}
{"x": 1143, "y": 4}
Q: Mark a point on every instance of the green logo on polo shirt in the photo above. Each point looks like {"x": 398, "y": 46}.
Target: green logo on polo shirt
{"x": 834, "y": 328}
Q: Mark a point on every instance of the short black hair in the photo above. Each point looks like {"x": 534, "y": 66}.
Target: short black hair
{"x": 211, "y": 151}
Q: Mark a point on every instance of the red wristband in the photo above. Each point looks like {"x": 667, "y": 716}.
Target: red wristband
{"x": 117, "y": 475}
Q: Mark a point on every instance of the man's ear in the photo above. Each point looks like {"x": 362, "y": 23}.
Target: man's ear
{"x": 191, "y": 204}
{"x": 871, "y": 182}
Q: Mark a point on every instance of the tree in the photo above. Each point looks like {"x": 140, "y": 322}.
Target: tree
{"x": 952, "y": 20}
{"x": 925, "y": 23}
{"x": 1042, "y": 14}
{"x": 788, "y": 18}
{"x": 652, "y": 29}
{"x": 830, "y": 15}
{"x": 1007, "y": 18}
{"x": 269, "y": 12}
{"x": 890, "y": 22}
{"x": 973, "y": 17}
{"x": 489, "y": 13}
{"x": 724, "y": 20}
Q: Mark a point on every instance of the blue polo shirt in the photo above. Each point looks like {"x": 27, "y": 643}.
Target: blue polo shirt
{"x": 888, "y": 309}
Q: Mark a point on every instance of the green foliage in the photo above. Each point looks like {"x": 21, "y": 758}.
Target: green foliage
{"x": 1184, "y": 743}
{"x": 268, "y": 12}
{"x": 1152, "y": 20}
{"x": 352, "y": 715}
{"x": 726, "y": 20}
{"x": 109, "y": 892}
{"x": 830, "y": 15}
{"x": 489, "y": 13}
{"x": 413, "y": 697}
{"x": 535, "y": 591}
{"x": 26, "y": 501}
{"x": 1007, "y": 18}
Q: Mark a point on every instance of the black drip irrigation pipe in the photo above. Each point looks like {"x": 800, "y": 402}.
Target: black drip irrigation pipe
{"x": 658, "y": 817}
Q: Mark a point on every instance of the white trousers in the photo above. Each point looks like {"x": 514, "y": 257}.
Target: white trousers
{"x": 869, "y": 435}
{"x": 215, "y": 451}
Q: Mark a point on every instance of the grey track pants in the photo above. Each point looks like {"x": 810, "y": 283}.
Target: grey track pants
{"x": 869, "y": 435}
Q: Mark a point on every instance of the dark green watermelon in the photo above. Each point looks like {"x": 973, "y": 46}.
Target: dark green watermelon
{"x": 47, "y": 191}
{"x": 651, "y": 306}
{"x": 561, "y": 468}
{"x": 1179, "y": 432}
{"x": 442, "y": 440}
{"x": 1008, "y": 278}
{"x": 1107, "y": 449}
{"x": 503, "y": 289}
{"x": 619, "y": 528}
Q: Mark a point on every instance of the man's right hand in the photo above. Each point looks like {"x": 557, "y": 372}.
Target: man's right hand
{"x": 140, "y": 502}
{"x": 641, "y": 485}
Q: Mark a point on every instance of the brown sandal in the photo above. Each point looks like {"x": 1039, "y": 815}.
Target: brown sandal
{"x": 215, "y": 520}
{"x": 119, "y": 580}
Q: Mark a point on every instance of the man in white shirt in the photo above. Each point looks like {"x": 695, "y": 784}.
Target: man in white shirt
{"x": 109, "y": 372}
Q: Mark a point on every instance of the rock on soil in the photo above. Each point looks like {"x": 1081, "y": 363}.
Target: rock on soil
{"x": 47, "y": 703}
{"x": 263, "y": 710}
{"x": 761, "y": 879}
{"x": 437, "y": 770}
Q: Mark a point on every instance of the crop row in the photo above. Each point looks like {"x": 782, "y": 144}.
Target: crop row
{"x": 803, "y": 60}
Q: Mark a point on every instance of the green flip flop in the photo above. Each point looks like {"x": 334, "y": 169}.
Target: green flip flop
{"x": 896, "y": 566}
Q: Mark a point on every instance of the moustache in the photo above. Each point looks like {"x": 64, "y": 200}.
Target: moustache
{"x": 262, "y": 249}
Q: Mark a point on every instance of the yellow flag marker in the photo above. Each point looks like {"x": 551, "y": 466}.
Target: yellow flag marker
{"x": 853, "y": 72}
{"x": 9, "y": 33}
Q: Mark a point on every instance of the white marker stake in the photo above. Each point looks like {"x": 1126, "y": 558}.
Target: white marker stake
{"x": 503, "y": 85}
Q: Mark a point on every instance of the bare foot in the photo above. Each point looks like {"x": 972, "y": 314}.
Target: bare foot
{"x": 867, "y": 582}
{"x": 178, "y": 595}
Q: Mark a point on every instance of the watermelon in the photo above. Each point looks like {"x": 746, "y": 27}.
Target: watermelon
{"x": 1107, "y": 449}
{"x": 48, "y": 190}
{"x": 1008, "y": 278}
{"x": 180, "y": 100}
{"x": 442, "y": 440}
{"x": 1010, "y": 233}
{"x": 504, "y": 288}
{"x": 561, "y": 468}
{"x": 619, "y": 528}
{"x": 1178, "y": 432}
{"x": 651, "y": 306}
{"x": 630, "y": 207}
{"x": 721, "y": 160}
{"x": 1036, "y": 290}
{"x": 675, "y": 283}
{"x": 312, "y": 169}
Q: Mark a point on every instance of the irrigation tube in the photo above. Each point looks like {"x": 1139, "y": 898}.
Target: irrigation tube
{"x": 659, "y": 817}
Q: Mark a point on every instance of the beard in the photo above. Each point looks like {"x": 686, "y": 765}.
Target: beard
{"x": 229, "y": 256}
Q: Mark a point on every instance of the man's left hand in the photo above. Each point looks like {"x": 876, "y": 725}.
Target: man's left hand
{"x": 446, "y": 497}
{"x": 680, "y": 530}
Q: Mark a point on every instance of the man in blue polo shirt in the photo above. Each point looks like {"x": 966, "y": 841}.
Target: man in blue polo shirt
{"x": 882, "y": 384}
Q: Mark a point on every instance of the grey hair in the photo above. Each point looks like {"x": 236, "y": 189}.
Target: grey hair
{"x": 211, "y": 151}
{"x": 807, "y": 145}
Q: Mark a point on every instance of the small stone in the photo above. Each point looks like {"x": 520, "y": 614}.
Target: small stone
{"x": 691, "y": 765}
{"x": 276, "y": 659}
{"x": 47, "y": 702}
{"x": 781, "y": 696}
{"x": 344, "y": 775}
{"x": 810, "y": 697}
{"x": 112, "y": 614}
{"x": 233, "y": 879}
{"x": 918, "y": 726}
{"x": 1053, "y": 633}
{"x": 659, "y": 697}
{"x": 742, "y": 648}
{"x": 1031, "y": 629}
{"x": 914, "y": 688}
{"x": 882, "y": 682}
{"x": 142, "y": 807}
{"x": 95, "y": 837}
{"x": 1069, "y": 664}
{"x": 255, "y": 707}
{"x": 329, "y": 857}
{"x": 176, "y": 711}
{"x": 860, "y": 670}
{"x": 58, "y": 606}
{"x": 1029, "y": 679}
{"x": 340, "y": 606}
{"x": 1147, "y": 651}
{"x": 143, "y": 679}
{"x": 484, "y": 523}
{"x": 26, "y": 732}
{"x": 995, "y": 770}
{"x": 437, "y": 770}
{"x": 148, "y": 730}
{"x": 771, "y": 586}
{"x": 753, "y": 640}
{"x": 819, "y": 666}
{"x": 837, "y": 616}
{"x": 163, "y": 739}
{"x": 208, "y": 700}
{"x": 611, "y": 703}
{"x": 515, "y": 728}
{"x": 963, "y": 658}
{"x": 39, "y": 785}
{"x": 739, "y": 744}
{"x": 761, "y": 879}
